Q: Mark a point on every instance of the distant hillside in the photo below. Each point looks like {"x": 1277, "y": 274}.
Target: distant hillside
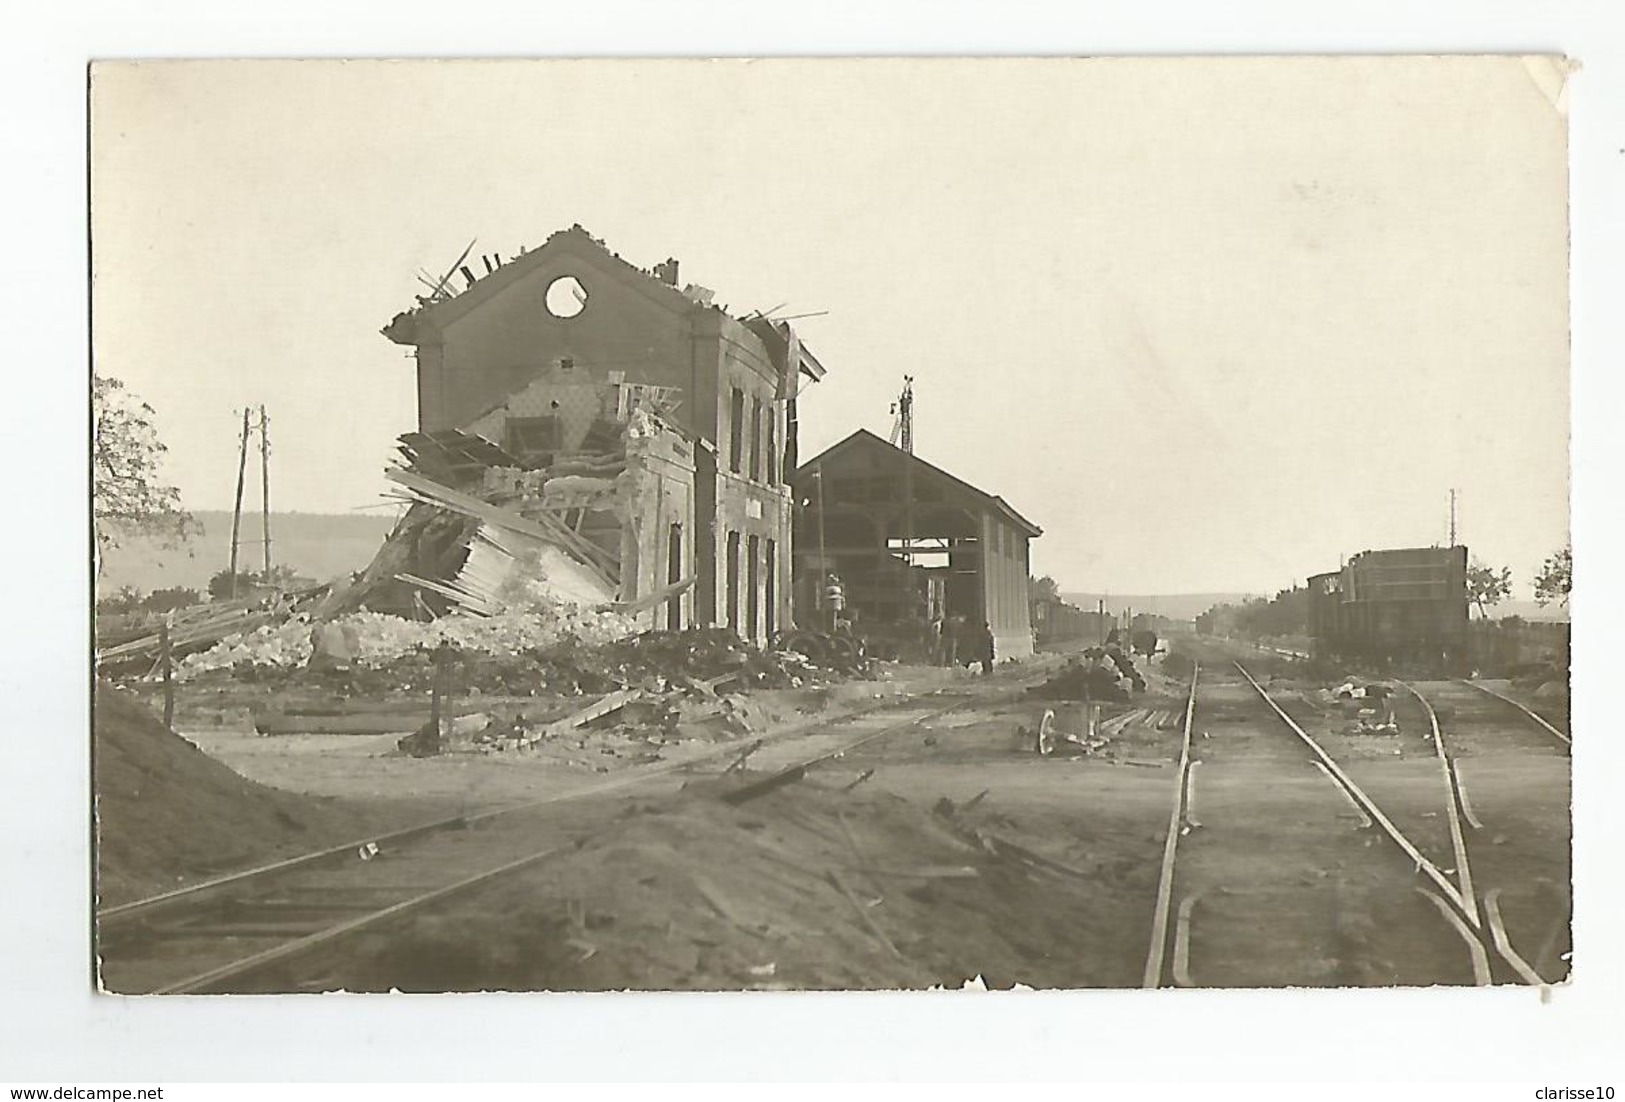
{"x": 1175, "y": 606}
{"x": 315, "y": 545}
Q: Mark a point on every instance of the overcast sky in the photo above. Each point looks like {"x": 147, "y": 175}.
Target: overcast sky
{"x": 1210, "y": 323}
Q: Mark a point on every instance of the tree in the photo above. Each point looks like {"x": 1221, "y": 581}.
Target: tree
{"x": 1045, "y": 589}
{"x": 1486, "y": 586}
{"x": 128, "y": 497}
{"x": 1555, "y": 577}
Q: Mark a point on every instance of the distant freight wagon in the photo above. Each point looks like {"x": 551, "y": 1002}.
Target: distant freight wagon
{"x": 1407, "y": 605}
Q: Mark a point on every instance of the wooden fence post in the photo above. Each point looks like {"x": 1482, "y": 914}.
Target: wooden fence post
{"x": 166, "y": 660}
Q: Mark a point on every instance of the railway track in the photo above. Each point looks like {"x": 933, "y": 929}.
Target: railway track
{"x": 228, "y": 934}
{"x": 1507, "y": 773}
{"x": 1289, "y": 864}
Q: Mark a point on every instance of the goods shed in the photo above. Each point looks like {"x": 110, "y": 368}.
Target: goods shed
{"x": 909, "y": 542}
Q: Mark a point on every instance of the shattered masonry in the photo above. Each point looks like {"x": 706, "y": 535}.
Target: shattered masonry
{"x": 590, "y": 432}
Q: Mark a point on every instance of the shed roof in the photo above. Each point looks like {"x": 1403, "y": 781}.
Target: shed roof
{"x": 863, "y": 439}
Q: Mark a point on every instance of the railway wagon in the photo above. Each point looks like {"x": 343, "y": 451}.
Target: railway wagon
{"x": 1058, "y": 625}
{"x": 1400, "y": 605}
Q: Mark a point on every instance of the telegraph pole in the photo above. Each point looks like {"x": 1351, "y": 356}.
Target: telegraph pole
{"x": 1452, "y": 518}
{"x": 237, "y": 509}
{"x": 905, "y": 426}
{"x": 265, "y": 490}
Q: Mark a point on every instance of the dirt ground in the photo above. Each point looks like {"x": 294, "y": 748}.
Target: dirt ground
{"x": 936, "y": 854}
{"x": 930, "y": 857}
{"x": 169, "y": 814}
{"x": 807, "y": 887}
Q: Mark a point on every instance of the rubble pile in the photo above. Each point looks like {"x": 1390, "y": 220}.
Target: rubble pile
{"x": 707, "y": 653}
{"x": 642, "y": 693}
{"x": 1365, "y": 706}
{"x": 383, "y": 639}
{"x": 632, "y": 726}
{"x": 1099, "y": 673}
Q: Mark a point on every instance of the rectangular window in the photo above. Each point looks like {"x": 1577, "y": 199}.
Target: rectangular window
{"x": 756, "y": 439}
{"x": 770, "y": 591}
{"x": 736, "y": 430}
{"x": 674, "y": 574}
{"x": 753, "y": 587}
{"x": 772, "y": 449}
{"x": 732, "y": 566}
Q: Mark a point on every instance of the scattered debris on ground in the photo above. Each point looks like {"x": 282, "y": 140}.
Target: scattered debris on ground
{"x": 647, "y": 690}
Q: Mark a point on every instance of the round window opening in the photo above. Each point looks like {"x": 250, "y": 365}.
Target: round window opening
{"x": 566, "y": 297}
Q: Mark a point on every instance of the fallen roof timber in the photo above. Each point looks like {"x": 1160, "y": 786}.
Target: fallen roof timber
{"x": 606, "y": 566}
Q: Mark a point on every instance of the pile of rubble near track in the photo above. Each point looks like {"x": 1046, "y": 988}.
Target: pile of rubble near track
{"x": 1099, "y": 673}
{"x": 633, "y": 725}
{"x": 380, "y": 639}
{"x": 626, "y": 697}
{"x": 515, "y": 655}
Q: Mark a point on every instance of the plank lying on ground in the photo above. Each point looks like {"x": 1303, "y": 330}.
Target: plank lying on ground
{"x": 599, "y": 708}
{"x": 1002, "y": 847}
{"x": 924, "y": 872}
{"x": 364, "y": 723}
{"x": 192, "y": 636}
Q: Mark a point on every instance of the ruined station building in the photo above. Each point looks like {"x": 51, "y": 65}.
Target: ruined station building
{"x": 652, "y": 425}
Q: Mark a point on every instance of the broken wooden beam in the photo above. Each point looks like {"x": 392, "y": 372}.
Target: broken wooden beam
{"x": 545, "y": 528}
{"x": 598, "y": 709}
{"x": 655, "y": 599}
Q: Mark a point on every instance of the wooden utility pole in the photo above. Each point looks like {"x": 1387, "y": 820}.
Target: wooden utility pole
{"x": 1452, "y": 518}
{"x": 265, "y": 489}
{"x": 237, "y": 509}
{"x": 905, "y": 424}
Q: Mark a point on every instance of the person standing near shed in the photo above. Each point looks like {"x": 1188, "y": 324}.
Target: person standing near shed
{"x": 834, "y": 600}
{"x": 1382, "y": 701}
{"x": 981, "y": 649}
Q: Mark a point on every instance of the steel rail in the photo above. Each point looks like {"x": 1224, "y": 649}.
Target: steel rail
{"x": 1182, "y": 941}
{"x": 1475, "y": 947}
{"x": 1489, "y": 903}
{"x": 1565, "y": 739}
{"x": 134, "y": 908}
{"x": 1423, "y": 865}
{"x": 1190, "y": 795}
{"x": 1453, "y": 804}
{"x": 1503, "y": 944}
{"x": 1365, "y": 820}
{"x": 237, "y": 969}
{"x": 1466, "y": 804}
{"x": 1165, "y": 881}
